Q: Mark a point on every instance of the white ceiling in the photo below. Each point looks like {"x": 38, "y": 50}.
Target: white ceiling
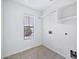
{"x": 36, "y": 4}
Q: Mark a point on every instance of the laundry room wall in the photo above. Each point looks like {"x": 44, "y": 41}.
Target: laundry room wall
{"x": 13, "y": 33}
{"x": 58, "y": 41}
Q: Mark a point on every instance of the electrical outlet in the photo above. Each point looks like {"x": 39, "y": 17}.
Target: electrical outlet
{"x": 66, "y": 33}
{"x": 50, "y": 32}
{"x": 73, "y": 54}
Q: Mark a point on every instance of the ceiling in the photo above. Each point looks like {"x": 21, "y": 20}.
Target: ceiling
{"x": 36, "y": 4}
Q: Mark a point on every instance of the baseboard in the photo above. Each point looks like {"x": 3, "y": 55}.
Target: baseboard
{"x": 52, "y": 50}
{"x": 33, "y": 48}
{"x": 23, "y": 50}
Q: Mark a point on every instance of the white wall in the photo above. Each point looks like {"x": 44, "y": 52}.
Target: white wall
{"x": 58, "y": 41}
{"x": 13, "y": 28}
{"x": 2, "y": 30}
{"x": 56, "y": 5}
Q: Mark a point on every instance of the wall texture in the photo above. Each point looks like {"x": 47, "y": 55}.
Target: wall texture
{"x": 58, "y": 41}
{"x": 13, "y": 41}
